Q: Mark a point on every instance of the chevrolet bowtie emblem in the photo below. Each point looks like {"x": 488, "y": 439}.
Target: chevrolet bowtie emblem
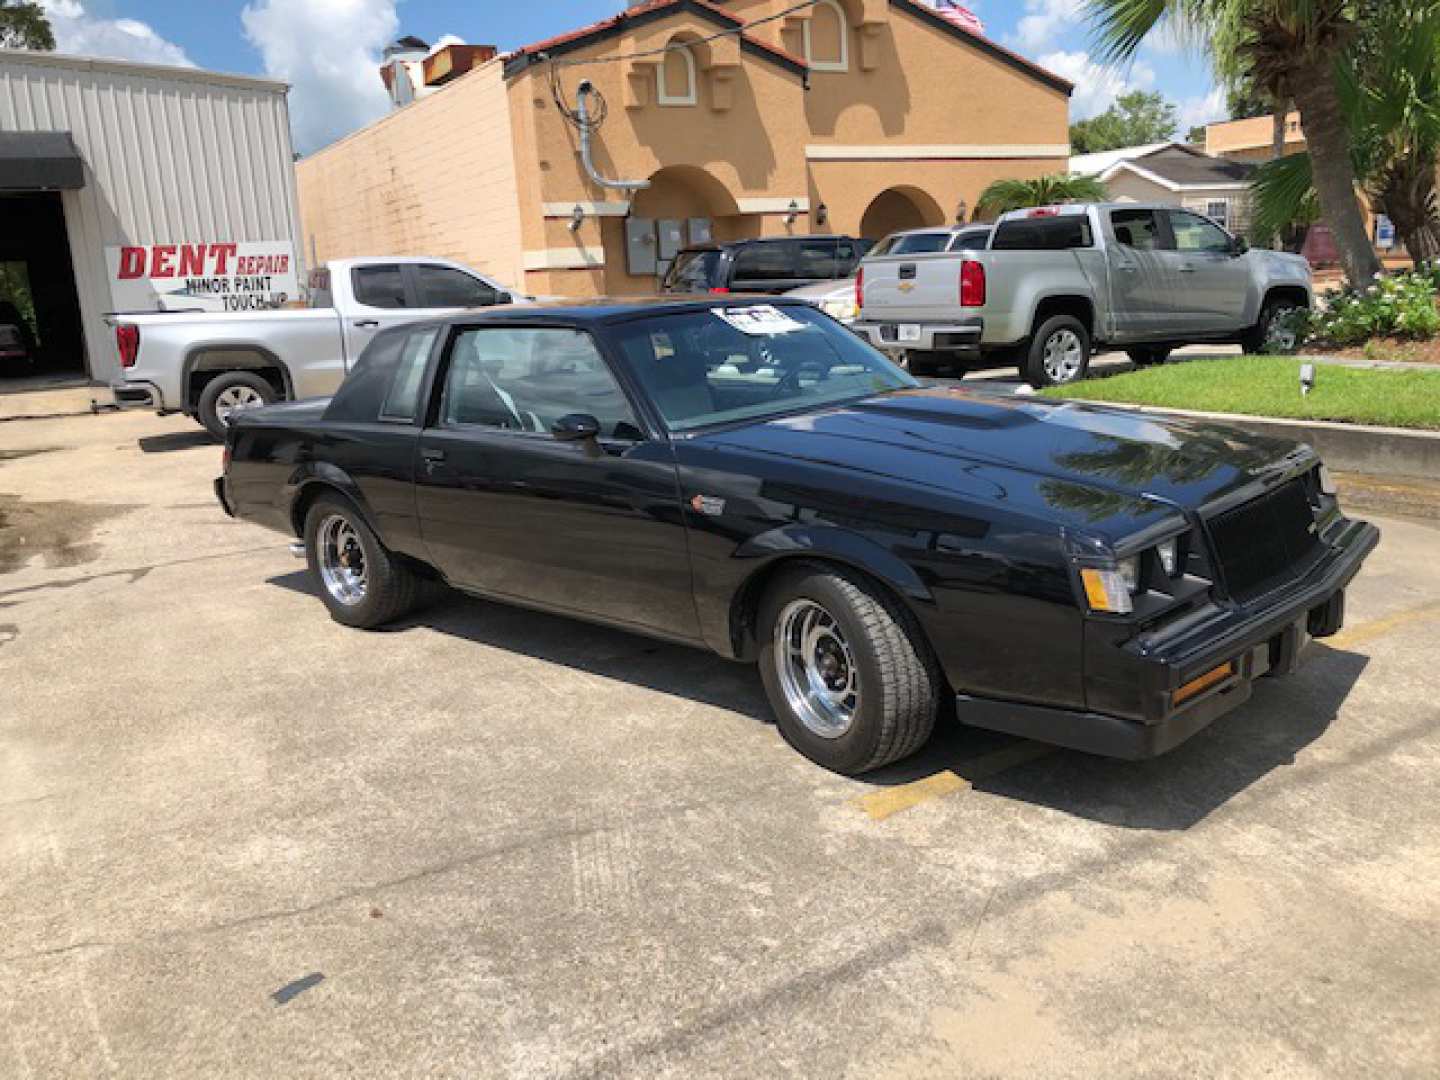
{"x": 906, "y": 286}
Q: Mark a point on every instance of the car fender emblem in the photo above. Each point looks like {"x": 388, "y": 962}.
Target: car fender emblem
{"x": 709, "y": 505}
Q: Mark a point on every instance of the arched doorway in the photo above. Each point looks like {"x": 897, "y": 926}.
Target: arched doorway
{"x": 683, "y": 191}
{"x": 899, "y": 208}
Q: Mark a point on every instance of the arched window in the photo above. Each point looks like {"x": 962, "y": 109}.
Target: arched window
{"x": 676, "y": 76}
{"x": 827, "y": 45}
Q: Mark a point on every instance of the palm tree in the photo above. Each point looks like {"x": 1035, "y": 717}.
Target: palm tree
{"x": 1005, "y": 195}
{"x": 1390, "y": 90}
{"x": 1290, "y": 49}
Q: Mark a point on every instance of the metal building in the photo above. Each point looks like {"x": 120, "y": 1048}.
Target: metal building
{"x": 129, "y": 186}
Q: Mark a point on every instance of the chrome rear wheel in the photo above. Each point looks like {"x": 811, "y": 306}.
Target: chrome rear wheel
{"x": 341, "y": 559}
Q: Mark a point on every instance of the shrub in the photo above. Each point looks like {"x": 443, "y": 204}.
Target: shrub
{"x": 1397, "y": 306}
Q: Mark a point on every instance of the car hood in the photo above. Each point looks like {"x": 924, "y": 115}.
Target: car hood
{"x": 1111, "y": 470}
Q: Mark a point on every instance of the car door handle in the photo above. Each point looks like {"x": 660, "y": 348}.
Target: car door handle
{"x": 1186, "y": 268}
{"x": 1127, "y": 268}
{"x": 431, "y": 455}
{"x": 366, "y": 324}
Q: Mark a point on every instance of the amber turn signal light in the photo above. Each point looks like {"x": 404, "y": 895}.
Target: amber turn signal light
{"x": 1201, "y": 683}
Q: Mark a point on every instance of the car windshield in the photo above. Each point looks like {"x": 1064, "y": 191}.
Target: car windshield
{"x": 912, "y": 243}
{"x": 693, "y": 271}
{"x": 750, "y": 362}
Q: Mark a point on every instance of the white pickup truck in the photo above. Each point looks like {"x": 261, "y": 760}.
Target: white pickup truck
{"x": 208, "y": 364}
{"x": 1054, "y": 282}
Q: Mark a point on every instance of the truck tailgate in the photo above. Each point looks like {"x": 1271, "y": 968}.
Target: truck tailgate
{"x": 917, "y": 288}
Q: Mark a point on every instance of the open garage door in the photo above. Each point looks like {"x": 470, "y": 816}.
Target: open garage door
{"x": 38, "y": 300}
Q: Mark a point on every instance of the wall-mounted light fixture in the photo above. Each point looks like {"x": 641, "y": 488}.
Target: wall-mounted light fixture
{"x": 960, "y": 210}
{"x": 792, "y": 213}
{"x": 577, "y": 218}
{"x": 822, "y": 214}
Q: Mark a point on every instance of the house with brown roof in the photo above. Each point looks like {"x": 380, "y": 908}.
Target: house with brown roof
{"x": 1179, "y": 174}
{"x": 701, "y": 119}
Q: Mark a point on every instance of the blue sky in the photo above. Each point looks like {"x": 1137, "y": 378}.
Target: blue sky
{"x": 327, "y": 49}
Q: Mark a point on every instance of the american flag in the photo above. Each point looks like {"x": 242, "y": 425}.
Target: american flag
{"x": 958, "y": 14}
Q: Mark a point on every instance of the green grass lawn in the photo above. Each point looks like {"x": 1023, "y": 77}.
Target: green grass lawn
{"x": 1270, "y": 386}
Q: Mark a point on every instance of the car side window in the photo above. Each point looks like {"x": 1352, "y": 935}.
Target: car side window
{"x": 446, "y": 287}
{"x": 1138, "y": 229}
{"x": 526, "y": 379}
{"x": 379, "y": 286}
{"x": 403, "y": 398}
{"x": 815, "y": 259}
{"x": 1194, "y": 234}
{"x": 762, "y": 262}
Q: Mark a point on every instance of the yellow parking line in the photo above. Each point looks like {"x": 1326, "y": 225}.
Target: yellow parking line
{"x": 1367, "y": 632}
{"x": 886, "y": 802}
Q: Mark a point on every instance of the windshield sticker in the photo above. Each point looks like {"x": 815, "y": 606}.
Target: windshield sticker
{"x": 761, "y": 320}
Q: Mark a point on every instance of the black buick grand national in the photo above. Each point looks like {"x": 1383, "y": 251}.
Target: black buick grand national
{"x": 751, "y": 478}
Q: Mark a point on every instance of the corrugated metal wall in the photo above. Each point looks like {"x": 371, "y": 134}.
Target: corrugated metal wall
{"x": 171, "y": 155}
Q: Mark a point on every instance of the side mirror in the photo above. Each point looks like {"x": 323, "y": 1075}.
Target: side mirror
{"x": 575, "y": 427}
{"x": 504, "y": 298}
{"x": 1240, "y": 246}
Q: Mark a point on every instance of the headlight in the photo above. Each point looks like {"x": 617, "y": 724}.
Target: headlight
{"x": 844, "y": 310}
{"x": 1169, "y": 552}
{"x": 1108, "y": 590}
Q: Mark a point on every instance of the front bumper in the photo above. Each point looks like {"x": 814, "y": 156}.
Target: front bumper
{"x": 961, "y": 336}
{"x": 1266, "y": 640}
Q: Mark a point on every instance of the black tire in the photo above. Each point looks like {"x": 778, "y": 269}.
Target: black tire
{"x": 1148, "y": 357}
{"x": 923, "y": 362}
{"x": 208, "y": 408}
{"x": 1258, "y": 336}
{"x": 1052, "y": 331}
{"x": 390, "y": 587}
{"x": 898, "y": 685}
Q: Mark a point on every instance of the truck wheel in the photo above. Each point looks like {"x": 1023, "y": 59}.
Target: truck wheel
{"x": 848, "y": 674}
{"x": 1147, "y": 357}
{"x": 361, "y": 583}
{"x": 231, "y": 392}
{"x": 1271, "y": 332}
{"x": 1059, "y": 353}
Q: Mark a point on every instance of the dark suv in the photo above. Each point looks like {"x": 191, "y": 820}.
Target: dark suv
{"x": 773, "y": 265}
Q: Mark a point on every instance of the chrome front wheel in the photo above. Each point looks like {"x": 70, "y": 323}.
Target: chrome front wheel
{"x": 1064, "y": 356}
{"x": 341, "y": 560}
{"x": 816, "y": 669}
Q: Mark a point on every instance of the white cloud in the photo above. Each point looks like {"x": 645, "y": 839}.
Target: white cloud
{"x": 1048, "y": 24}
{"x": 329, "y": 52}
{"x": 79, "y": 32}
{"x": 1205, "y": 109}
{"x": 1096, "y": 86}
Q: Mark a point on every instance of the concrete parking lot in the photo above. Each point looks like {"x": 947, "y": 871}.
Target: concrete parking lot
{"x": 239, "y": 839}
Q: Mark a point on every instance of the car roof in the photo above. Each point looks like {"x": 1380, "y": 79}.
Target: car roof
{"x": 726, "y": 245}
{"x": 601, "y": 311}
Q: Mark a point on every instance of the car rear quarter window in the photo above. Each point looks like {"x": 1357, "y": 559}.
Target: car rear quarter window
{"x": 756, "y": 263}
{"x": 380, "y": 286}
{"x": 360, "y": 396}
{"x": 402, "y": 401}
{"x": 1060, "y": 233}
{"x": 694, "y": 271}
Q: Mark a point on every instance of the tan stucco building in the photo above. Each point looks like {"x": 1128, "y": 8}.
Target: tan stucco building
{"x": 849, "y": 116}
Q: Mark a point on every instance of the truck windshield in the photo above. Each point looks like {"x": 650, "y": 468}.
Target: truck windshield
{"x": 750, "y": 362}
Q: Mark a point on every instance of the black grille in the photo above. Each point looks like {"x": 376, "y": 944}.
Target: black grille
{"x": 1266, "y": 542}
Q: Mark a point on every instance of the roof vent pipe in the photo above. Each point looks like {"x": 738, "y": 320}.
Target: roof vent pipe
{"x": 582, "y": 94}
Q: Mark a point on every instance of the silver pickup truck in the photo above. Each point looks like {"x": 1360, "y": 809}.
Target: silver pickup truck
{"x": 208, "y": 364}
{"x": 1054, "y": 283}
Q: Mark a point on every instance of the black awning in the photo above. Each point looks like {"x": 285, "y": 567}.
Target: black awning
{"x": 40, "y": 161}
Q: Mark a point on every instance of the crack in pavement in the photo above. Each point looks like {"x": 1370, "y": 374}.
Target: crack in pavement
{"x": 135, "y": 574}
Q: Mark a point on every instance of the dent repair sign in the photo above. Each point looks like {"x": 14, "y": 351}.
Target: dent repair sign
{"x": 212, "y": 276}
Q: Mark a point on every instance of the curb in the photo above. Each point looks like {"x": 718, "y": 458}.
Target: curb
{"x": 1354, "y": 448}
